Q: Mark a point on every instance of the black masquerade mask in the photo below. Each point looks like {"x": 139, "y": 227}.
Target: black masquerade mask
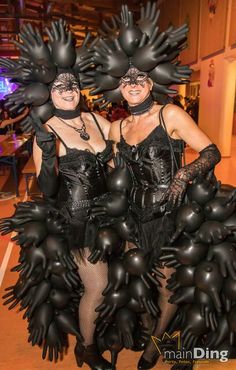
{"x": 65, "y": 82}
{"x": 134, "y": 77}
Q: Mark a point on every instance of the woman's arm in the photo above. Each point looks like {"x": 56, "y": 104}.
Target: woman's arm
{"x": 180, "y": 124}
{"x": 10, "y": 121}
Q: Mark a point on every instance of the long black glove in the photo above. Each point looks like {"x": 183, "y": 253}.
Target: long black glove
{"x": 207, "y": 159}
{"x": 47, "y": 178}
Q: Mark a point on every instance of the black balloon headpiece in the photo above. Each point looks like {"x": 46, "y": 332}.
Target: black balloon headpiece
{"x": 38, "y": 66}
{"x": 140, "y": 44}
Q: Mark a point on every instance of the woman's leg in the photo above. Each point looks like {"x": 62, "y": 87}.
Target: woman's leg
{"x": 94, "y": 279}
{"x": 168, "y": 311}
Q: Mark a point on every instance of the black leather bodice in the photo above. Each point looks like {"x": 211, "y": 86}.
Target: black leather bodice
{"x": 82, "y": 174}
{"x": 151, "y": 164}
{"x": 82, "y": 177}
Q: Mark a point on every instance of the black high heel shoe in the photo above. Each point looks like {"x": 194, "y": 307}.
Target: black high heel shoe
{"x": 91, "y": 357}
{"x": 146, "y": 365}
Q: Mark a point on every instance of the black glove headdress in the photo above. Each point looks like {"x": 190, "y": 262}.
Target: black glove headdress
{"x": 37, "y": 67}
{"x": 125, "y": 43}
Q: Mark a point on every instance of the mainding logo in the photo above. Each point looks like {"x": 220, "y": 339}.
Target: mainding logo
{"x": 170, "y": 347}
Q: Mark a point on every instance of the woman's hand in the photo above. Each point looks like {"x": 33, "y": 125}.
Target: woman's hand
{"x": 174, "y": 195}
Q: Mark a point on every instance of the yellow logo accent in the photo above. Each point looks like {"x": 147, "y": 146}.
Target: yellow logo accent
{"x": 174, "y": 335}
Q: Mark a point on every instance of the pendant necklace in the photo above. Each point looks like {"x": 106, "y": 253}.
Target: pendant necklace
{"x": 82, "y": 131}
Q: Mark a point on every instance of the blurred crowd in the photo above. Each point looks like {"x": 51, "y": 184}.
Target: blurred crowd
{"x": 189, "y": 104}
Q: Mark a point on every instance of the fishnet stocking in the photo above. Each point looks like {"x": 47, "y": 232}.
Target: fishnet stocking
{"x": 94, "y": 279}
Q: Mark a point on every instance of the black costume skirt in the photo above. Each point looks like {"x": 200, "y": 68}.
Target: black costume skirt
{"x": 155, "y": 228}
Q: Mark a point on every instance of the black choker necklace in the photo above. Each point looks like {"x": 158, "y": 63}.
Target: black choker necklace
{"x": 67, "y": 114}
{"x": 143, "y": 107}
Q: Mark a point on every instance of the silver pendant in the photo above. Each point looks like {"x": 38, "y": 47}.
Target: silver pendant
{"x": 84, "y": 136}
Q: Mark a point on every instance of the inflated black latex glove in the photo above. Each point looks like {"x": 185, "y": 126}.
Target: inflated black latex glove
{"x": 25, "y": 71}
{"x": 126, "y": 322}
{"x": 31, "y": 258}
{"x": 127, "y": 228}
{"x": 220, "y": 208}
{"x": 100, "y": 82}
{"x": 116, "y": 276}
{"x": 110, "y": 30}
{"x": 115, "y": 205}
{"x": 14, "y": 294}
{"x": 213, "y": 232}
{"x": 107, "y": 243}
{"x": 150, "y": 52}
{"x": 109, "y": 96}
{"x": 30, "y": 234}
{"x": 47, "y": 178}
{"x": 136, "y": 263}
{"x": 189, "y": 217}
{"x": 68, "y": 324}
{"x": 141, "y": 293}
{"x": 167, "y": 73}
{"x": 208, "y": 158}
{"x": 39, "y": 323}
{"x": 61, "y": 45}
{"x": 113, "y": 60}
{"x": 194, "y": 327}
{"x": 130, "y": 34}
{"x": 22, "y": 287}
{"x": 225, "y": 256}
{"x": 44, "y": 112}
{"x": 119, "y": 179}
{"x": 229, "y": 293}
{"x": 208, "y": 278}
{"x": 32, "y": 211}
{"x": 71, "y": 278}
{"x": 185, "y": 252}
{"x": 176, "y": 40}
{"x": 184, "y": 276}
{"x": 36, "y": 93}
{"x": 203, "y": 188}
{"x": 162, "y": 89}
{"x": 232, "y": 323}
{"x": 56, "y": 223}
{"x": 40, "y": 295}
{"x": 214, "y": 339}
{"x": 10, "y": 224}
{"x": 56, "y": 249}
{"x": 34, "y": 46}
{"x": 53, "y": 343}
{"x": 60, "y": 298}
{"x": 183, "y": 295}
{"x": 148, "y": 18}
{"x": 112, "y": 301}
{"x": 83, "y": 52}
{"x": 207, "y": 309}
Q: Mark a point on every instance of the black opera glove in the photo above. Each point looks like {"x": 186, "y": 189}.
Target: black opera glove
{"x": 206, "y": 161}
{"x": 47, "y": 178}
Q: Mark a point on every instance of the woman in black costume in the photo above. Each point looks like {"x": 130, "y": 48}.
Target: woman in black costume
{"x": 150, "y": 143}
{"x": 137, "y": 61}
{"x": 70, "y": 153}
{"x": 77, "y": 179}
